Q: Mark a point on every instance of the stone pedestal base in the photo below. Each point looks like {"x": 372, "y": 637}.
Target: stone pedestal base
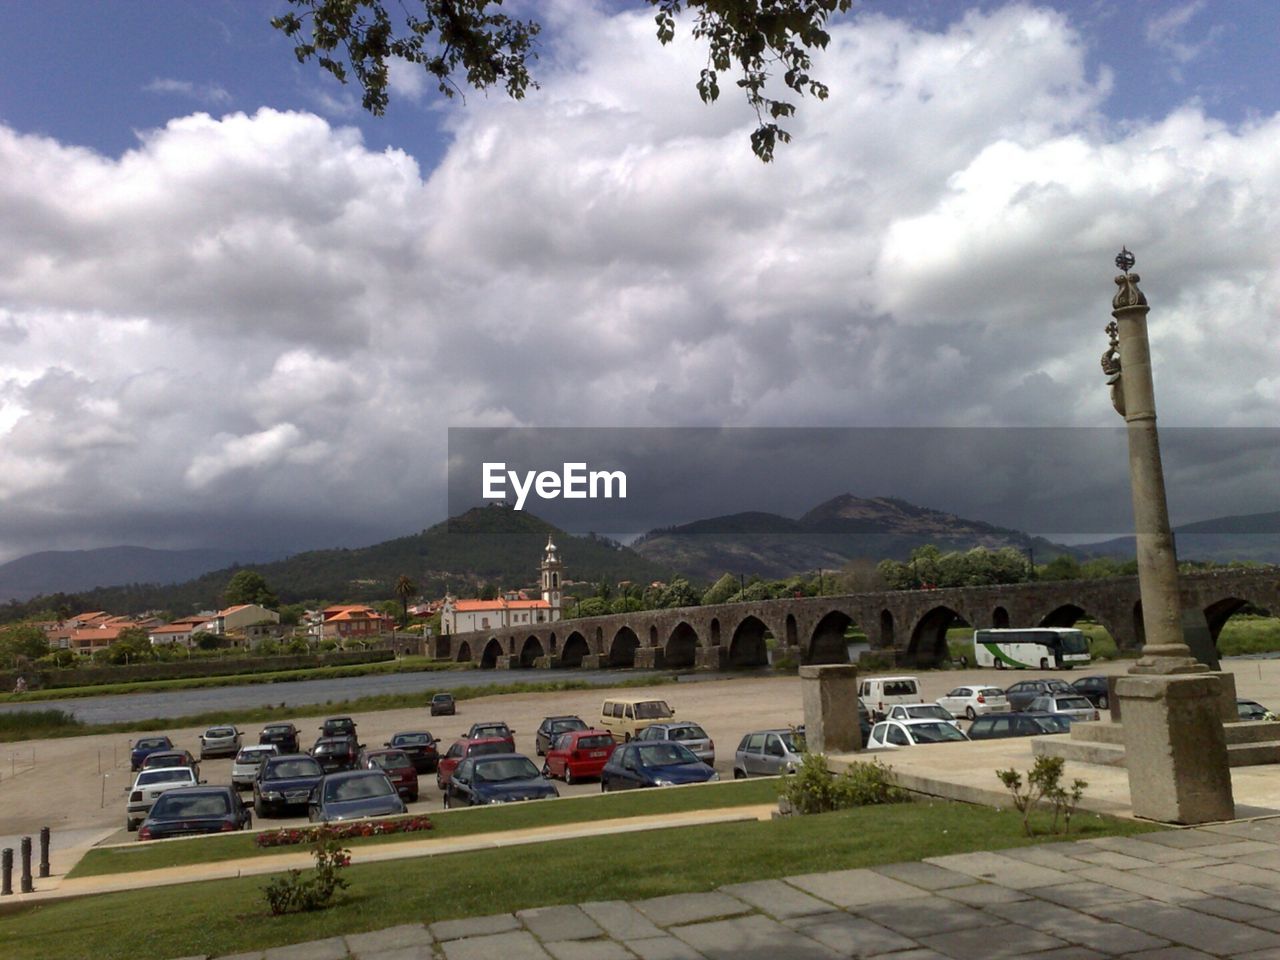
{"x": 830, "y": 697}
{"x": 1175, "y": 750}
{"x": 1228, "y": 712}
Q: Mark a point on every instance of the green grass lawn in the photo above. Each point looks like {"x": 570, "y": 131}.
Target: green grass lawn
{"x": 447, "y": 823}
{"x": 228, "y": 916}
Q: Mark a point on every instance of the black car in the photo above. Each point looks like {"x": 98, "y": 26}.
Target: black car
{"x": 284, "y": 782}
{"x": 353, "y": 794}
{"x": 420, "y": 747}
{"x": 336, "y": 753}
{"x": 1251, "y": 710}
{"x": 551, "y": 728}
{"x": 443, "y": 704}
{"x": 997, "y": 726}
{"x": 1095, "y": 689}
{"x": 662, "y": 763}
{"x": 1023, "y": 692}
{"x": 493, "y": 728}
{"x": 498, "y": 778}
{"x": 283, "y": 735}
{"x": 338, "y": 727}
{"x": 190, "y": 810}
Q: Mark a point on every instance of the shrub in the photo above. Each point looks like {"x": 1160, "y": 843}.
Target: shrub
{"x": 814, "y": 789}
{"x": 341, "y": 831}
{"x": 294, "y": 892}
{"x": 1043, "y": 786}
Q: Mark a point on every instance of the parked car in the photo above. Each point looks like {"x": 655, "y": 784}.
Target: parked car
{"x": 1251, "y": 710}
{"x": 443, "y": 704}
{"x": 625, "y": 718}
{"x": 497, "y": 778}
{"x": 995, "y": 726}
{"x": 878, "y": 694}
{"x": 922, "y": 711}
{"x": 1072, "y": 705}
{"x": 459, "y": 750}
{"x": 220, "y": 742}
{"x": 285, "y": 782}
{"x": 352, "y": 794}
{"x": 974, "y": 701}
{"x": 283, "y": 735}
{"x": 171, "y": 758}
{"x": 767, "y": 753}
{"x": 145, "y": 745}
{"x": 1023, "y": 692}
{"x": 339, "y": 727}
{"x": 397, "y": 767}
{"x": 549, "y": 731}
{"x": 244, "y": 768}
{"x": 336, "y": 753}
{"x": 686, "y": 732}
{"x": 191, "y": 810}
{"x": 421, "y": 747}
{"x": 1095, "y": 689}
{"x": 663, "y": 763}
{"x": 491, "y": 729}
{"x": 578, "y": 754}
{"x": 893, "y": 734}
{"x": 1052, "y": 722}
{"x": 149, "y": 786}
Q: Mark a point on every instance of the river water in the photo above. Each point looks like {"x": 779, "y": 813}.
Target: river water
{"x": 120, "y": 708}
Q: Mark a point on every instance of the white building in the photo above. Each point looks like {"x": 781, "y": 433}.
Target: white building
{"x": 512, "y": 608}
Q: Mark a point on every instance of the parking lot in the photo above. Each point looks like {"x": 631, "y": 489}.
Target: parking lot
{"x": 79, "y": 785}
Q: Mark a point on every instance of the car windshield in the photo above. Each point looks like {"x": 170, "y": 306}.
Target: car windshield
{"x": 411, "y": 739}
{"x": 441, "y": 698}
{"x": 569, "y": 723}
{"x": 148, "y": 777}
{"x": 508, "y": 768}
{"x": 934, "y": 732}
{"x": 794, "y": 742}
{"x": 250, "y": 755}
{"x": 1056, "y": 685}
{"x": 595, "y": 741}
{"x": 357, "y": 788}
{"x": 488, "y": 749}
{"x": 301, "y": 767}
{"x": 1052, "y": 724}
{"x": 653, "y": 710}
{"x": 164, "y": 760}
{"x": 153, "y": 743}
{"x": 1074, "y": 703}
{"x": 390, "y": 761}
{"x": 183, "y": 806}
{"x": 927, "y": 711}
{"x": 278, "y": 730}
{"x": 690, "y": 732}
{"x": 491, "y": 730}
{"x": 220, "y": 732}
{"x": 664, "y": 754}
{"x": 1074, "y": 642}
{"x": 991, "y": 692}
{"x": 332, "y": 746}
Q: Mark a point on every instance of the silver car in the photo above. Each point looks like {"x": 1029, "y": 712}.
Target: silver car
{"x": 221, "y": 741}
{"x": 686, "y": 733}
{"x": 1075, "y": 706}
{"x": 767, "y": 753}
{"x": 244, "y": 768}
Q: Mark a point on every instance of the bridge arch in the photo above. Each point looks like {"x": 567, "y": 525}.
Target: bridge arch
{"x": 574, "y": 649}
{"x": 653, "y": 635}
{"x": 715, "y": 631}
{"x": 747, "y": 647}
{"x": 622, "y": 651}
{"x": 682, "y": 646}
{"x": 551, "y": 645}
{"x": 492, "y": 651}
{"x": 599, "y": 641}
{"x": 929, "y": 636}
{"x": 827, "y": 643}
{"x": 1000, "y": 618}
{"x": 1217, "y": 614}
{"x": 886, "y": 629}
{"x": 792, "y": 631}
{"x": 464, "y": 652}
{"x": 530, "y": 651}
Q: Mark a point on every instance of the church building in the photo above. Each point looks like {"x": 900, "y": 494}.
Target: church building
{"x": 513, "y": 608}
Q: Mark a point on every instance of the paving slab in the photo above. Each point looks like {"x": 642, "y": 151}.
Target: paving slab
{"x": 920, "y": 953}
{"x": 981, "y": 894}
{"x": 621, "y": 920}
{"x": 1005, "y": 871}
{"x": 1066, "y": 953}
{"x": 690, "y": 908}
{"x": 420, "y": 952}
{"x": 1135, "y": 883}
{"x": 474, "y": 926}
{"x": 1265, "y": 829}
{"x": 1191, "y": 929}
{"x": 1003, "y": 942}
{"x": 920, "y": 918}
{"x": 1085, "y": 893}
{"x": 851, "y": 888}
{"x": 1247, "y": 873}
{"x": 1172, "y": 953}
{"x": 851, "y": 936}
{"x": 559, "y": 923}
{"x": 780, "y": 900}
{"x": 1052, "y": 857}
{"x": 1233, "y": 848}
{"x": 1268, "y": 860}
{"x": 926, "y": 876}
{"x": 662, "y": 948}
{"x": 1187, "y": 839}
{"x": 1077, "y": 928}
{"x": 251, "y": 955}
{"x": 751, "y": 938}
{"x": 588, "y": 950}
{"x": 1233, "y": 909}
{"x": 405, "y": 935}
{"x": 1142, "y": 849}
{"x": 1258, "y": 955}
{"x": 1114, "y": 859}
{"x": 331, "y": 948}
{"x": 517, "y": 945}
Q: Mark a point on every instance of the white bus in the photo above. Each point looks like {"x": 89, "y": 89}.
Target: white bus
{"x": 1043, "y": 647}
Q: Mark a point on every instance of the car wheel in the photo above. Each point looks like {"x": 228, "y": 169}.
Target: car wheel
{"x": 446, "y": 800}
{"x": 568, "y": 775}
{"x": 739, "y": 775}
{"x": 626, "y": 738}
{"x": 130, "y": 824}
{"x": 546, "y": 772}
{"x": 969, "y": 712}
{"x": 604, "y": 785}
{"x": 1044, "y": 664}
{"x": 260, "y": 808}
{"x": 999, "y": 664}
{"x": 1103, "y": 702}
{"x": 413, "y": 797}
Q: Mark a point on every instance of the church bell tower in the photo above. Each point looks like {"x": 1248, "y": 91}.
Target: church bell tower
{"x": 551, "y": 580}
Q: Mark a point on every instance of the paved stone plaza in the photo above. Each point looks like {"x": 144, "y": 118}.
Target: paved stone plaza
{"x": 1179, "y": 895}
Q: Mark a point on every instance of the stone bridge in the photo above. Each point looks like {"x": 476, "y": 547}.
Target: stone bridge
{"x": 911, "y": 624}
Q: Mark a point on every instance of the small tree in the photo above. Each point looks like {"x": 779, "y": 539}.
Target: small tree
{"x": 1043, "y": 785}
{"x": 249, "y": 586}
{"x": 405, "y": 589}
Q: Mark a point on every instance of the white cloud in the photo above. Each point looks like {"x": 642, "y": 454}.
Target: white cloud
{"x": 207, "y": 93}
{"x": 257, "y": 327}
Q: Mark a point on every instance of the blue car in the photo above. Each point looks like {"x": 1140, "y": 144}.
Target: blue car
{"x": 659, "y": 763}
{"x": 145, "y": 745}
{"x": 496, "y": 778}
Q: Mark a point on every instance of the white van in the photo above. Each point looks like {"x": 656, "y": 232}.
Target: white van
{"x": 878, "y": 694}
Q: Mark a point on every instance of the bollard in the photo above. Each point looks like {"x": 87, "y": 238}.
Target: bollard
{"x": 6, "y": 872}
{"x": 27, "y": 885}
{"x": 44, "y": 851}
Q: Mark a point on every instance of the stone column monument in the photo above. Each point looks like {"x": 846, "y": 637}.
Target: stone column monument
{"x": 1175, "y": 748}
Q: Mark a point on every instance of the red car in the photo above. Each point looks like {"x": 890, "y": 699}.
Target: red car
{"x": 578, "y": 754}
{"x": 459, "y": 750}
{"x": 398, "y": 768}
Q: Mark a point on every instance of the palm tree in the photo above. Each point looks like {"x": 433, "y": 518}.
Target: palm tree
{"x": 405, "y": 588}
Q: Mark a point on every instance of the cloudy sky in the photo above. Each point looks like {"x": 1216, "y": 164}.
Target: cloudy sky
{"x": 237, "y": 311}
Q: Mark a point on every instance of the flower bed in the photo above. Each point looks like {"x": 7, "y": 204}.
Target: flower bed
{"x": 342, "y": 831}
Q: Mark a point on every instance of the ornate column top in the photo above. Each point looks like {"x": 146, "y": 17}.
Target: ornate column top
{"x": 1128, "y": 295}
